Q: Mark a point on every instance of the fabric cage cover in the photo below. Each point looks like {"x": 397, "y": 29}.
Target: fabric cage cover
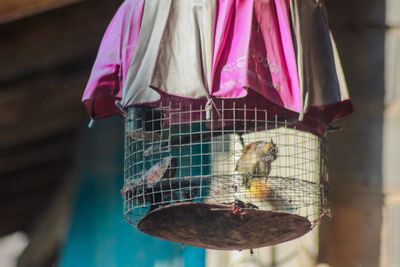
{"x": 277, "y": 53}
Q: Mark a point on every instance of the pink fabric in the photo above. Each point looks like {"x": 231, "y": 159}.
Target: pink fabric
{"x": 254, "y": 49}
{"x": 283, "y": 11}
{"x": 253, "y": 59}
{"x": 113, "y": 60}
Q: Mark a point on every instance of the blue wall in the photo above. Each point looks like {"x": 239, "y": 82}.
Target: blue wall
{"x": 98, "y": 235}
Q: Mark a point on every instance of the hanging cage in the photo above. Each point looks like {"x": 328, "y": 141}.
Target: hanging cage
{"x": 226, "y": 109}
{"x": 223, "y": 176}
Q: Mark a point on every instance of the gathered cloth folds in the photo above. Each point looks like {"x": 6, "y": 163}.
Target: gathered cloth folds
{"x": 280, "y": 52}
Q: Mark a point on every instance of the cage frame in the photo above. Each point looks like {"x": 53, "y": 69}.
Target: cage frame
{"x": 246, "y": 221}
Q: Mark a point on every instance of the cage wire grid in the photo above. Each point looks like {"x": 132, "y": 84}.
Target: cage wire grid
{"x": 176, "y": 155}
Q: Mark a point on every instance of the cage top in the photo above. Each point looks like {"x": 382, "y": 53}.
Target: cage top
{"x": 225, "y": 115}
{"x": 233, "y": 56}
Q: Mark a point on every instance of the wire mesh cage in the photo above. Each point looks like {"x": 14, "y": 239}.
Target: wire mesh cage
{"x": 231, "y": 177}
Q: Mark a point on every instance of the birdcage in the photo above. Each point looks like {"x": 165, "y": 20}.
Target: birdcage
{"x": 226, "y": 175}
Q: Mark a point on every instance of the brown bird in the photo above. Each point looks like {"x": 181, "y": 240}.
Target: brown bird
{"x": 149, "y": 188}
{"x": 256, "y": 160}
{"x": 255, "y": 167}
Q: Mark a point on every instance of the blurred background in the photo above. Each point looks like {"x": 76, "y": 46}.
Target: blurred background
{"x": 60, "y": 181}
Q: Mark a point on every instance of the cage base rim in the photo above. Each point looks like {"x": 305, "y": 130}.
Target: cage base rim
{"x": 215, "y": 226}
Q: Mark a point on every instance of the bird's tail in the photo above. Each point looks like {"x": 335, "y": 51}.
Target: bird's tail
{"x": 280, "y": 201}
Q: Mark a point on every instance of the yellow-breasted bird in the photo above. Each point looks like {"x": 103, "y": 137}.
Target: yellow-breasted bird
{"x": 256, "y": 161}
{"x": 255, "y": 166}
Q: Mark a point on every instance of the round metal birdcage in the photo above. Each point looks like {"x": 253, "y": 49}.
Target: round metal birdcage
{"x": 223, "y": 176}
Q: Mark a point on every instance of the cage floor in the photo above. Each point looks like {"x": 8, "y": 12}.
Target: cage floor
{"x": 215, "y": 226}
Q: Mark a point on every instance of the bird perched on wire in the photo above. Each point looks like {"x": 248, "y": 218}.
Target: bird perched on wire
{"x": 159, "y": 186}
{"x": 255, "y": 166}
{"x": 256, "y": 161}
{"x": 149, "y": 188}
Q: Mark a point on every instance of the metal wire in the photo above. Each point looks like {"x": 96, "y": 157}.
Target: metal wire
{"x": 176, "y": 154}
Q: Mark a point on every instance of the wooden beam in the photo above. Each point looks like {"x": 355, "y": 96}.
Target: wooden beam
{"x": 53, "y": 223}
{"x": 45, "y": 62}
{"x": 33, "y": 153}
{"x": 16, "y": 9}
{"x": 42, "y": 105}
{"x": 53, "y": 38}
{"x": 20, "y": 213}
{"x": 25, "y": 193}
{"x": 18, "y": 183}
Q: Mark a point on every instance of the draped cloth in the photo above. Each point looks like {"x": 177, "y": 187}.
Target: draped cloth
{"x": 254, "y": 51}
{"x": 322, "y": 83}
{"x": 279, "y": 52}
{"x": 174, "y": 51}
{"x": 113, "y": 60}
